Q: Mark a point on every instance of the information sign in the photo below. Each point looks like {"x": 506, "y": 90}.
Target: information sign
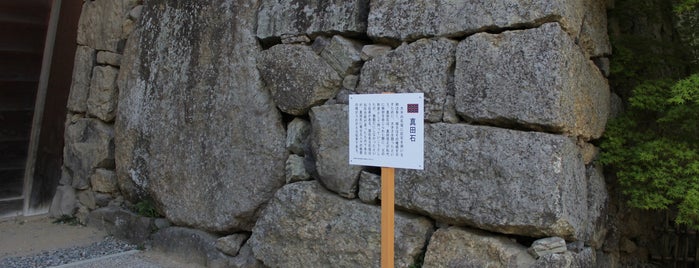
{"x": 387, "y": 130}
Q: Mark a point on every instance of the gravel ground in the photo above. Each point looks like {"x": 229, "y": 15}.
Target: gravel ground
{"x": 48, "y": 258}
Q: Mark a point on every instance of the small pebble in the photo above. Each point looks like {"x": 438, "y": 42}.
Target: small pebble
{"x": 48, "y": 258}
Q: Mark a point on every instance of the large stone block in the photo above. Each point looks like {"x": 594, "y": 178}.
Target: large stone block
{"x": 102, "y": 102}
{"x": 306, "y": 226}
{"x": 422, "y": 66}
{"x": 195, "y": 128}
{"x": 505, "y": 181}
{"x": 82, "y": 71}
{"x": 311, "y": 17}
{"x": 330, "y": 143}
{"x": 101, "y": 23}
{"x": 411, "y": 20}
{"x": 537, "y": 78}
{"x": 89, "y": 144}
{"x": 122, "y": 223}
{"x": 297, "y": 77}
{"x": 343, "y": 54}
{"x": 455, "y": 247}
{"x": 594, "y": 37}
{"x": 191, "y": 246}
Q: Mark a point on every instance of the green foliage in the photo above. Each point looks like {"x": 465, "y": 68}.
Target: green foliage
{"x": 686, "y": 6}
{"x": 654, "y": 147}
{"x": 66, "y": 219}
{"x": 146, "y": 208}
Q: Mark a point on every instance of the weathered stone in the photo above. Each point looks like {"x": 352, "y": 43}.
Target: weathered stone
{"x": 297, "y": 77}
{"x": 412, "y": 20}
{"x": 102, "y": 200}
{"x": 161, "y": 223}
{"x": 603, "y": 65}
{"x": 196, "y": 246}
{"x": 295, "y": 169}
{"x": 369, "y": 187}
{"x": 516, "y": 182}
{"x": 594, "y": 37}
{"x": 350, "y": 82}
{"x": 458, "y": 247}
{"x": 547, "y": 246}
{"x": 81, "y": 214}
{"x": 422, "y": 66}
{"x": 230, "y": 245}
{"x": 537, "y": 78}
{"x": 329, "y": 141}
{"x": 109, "y": 58}
{"x": 450, "y": 111}
{"x": 297, "y": 135}
{"x": 121, "y": 223}
{"x": 319, "y": 44}
{"x": 87, "y": 199}
{"x": 136, "y": 12}
{"x": 295, "y": 39}
{"x": 589, "y": 152}
{"x": 100, "y": 25}
{"x": 564, "y": 260}
{"x": 245, "y": 259}
{"x": 374, "y": 51}
{"x": 104, "y": 181}
{"x": 64, "y": 202}
{"x": 597, "y": 199}
{"x": 82, "y": 72}
{"x": 343, "y": 55}
{"x": 304, "y": 225}
{"x": 279, "y": 17}
{"x": 195, "y": 128}
{"x": 89, "y": 144}
{"x": 343, "y": 96}
{"x": 616, "y": 106}
{"x": 102, "y": 102}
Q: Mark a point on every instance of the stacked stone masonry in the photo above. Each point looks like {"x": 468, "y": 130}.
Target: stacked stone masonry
{"x": 231, "y": 116}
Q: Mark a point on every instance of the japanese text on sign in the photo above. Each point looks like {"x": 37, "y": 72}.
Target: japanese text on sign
{"x": 387, "y": 130}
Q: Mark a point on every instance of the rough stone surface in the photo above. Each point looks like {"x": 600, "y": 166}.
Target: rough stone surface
{"x": 64, "y": 201}
{"x": 245, "y": 259}
{"x": 82, "y": 72}
{"x": 109, "y": 58}
{"x": 198, "y": 246}
{"x": 297, "y": 134}
{"x": 102, "y": 102}
{"x": 194, "y": 125}
{"x": 422, "y": 66}
{"x": 100, "y": 25}
{"x": 455, "y": 247}
{"x": 306, "y": 226}
{"x": 89, "y": 144}
{"x": 536, "y": 78}
{"x": 230, "y": 245}
{"x": 121, "y": 223}
{"x": 369, "y": 187}
{"x": 563, "y": 260}
{"x": 411, "y": 20}
{"x": 311, "y": 17}
{"x": 330, "y": 141}
{"x": 87, "y": 199}
{"x": 104, "y": 181}
{"x": 594, "y": 37}
{"x": 295, "y": 169}
{"x": 597, "y": 199}
{"x": 343, "y": 55}
{"x": 373, "y": 51}
{"x": 547, "y": 246}
{"x": 297, "y": 77}
{"x": 515, "y": 182}
{"x": 295, "y": 39}
{"x": 350, "y": 82}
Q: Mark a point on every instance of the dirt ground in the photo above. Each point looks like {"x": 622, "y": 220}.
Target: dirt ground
{"x": 26, "y": 236}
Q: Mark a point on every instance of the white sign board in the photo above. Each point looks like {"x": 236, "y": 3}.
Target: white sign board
{"x": 387, "y": 130}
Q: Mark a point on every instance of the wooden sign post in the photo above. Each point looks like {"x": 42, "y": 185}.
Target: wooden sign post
{"x": 387, "y": 131}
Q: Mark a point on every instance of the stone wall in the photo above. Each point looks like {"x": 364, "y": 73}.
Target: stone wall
{"x": 232, "y": 119}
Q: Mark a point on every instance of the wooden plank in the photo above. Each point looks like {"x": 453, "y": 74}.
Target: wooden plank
{"x": 11, "y": 208}
{"x": 17, "y": 96}
{"x": 44, "y": 173}
{"x": 15, "y": 125}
